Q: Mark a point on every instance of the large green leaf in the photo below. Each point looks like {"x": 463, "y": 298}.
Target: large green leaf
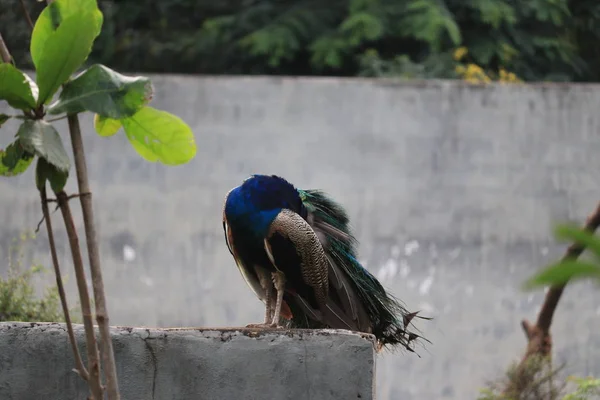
{"x": 41, "y": 138}
{"x": 562, "y": 272}
{"x": 64, "y": 50}
{"x": 14, "y": 160}
{"x": 51, "y": 18}
{"x": 44, "y": 171}
{"x": 160, "y": 136}
{"x": 17, "y": 88}
{"x": 101, "y": 90}
{"x": 106, "y": 126}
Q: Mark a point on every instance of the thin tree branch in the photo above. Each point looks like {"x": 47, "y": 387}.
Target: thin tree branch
{"x": 91, "y": 347}
{"x": 70, "y": 197}
{"x": 539, "y": 340}
{"x": 26, "y": 12}
{"x": 37, "y": 229}
{"x": 553, "y": 296}
{"x": 108, "y": 357}
{"x": 4, "y": 53}
{"x": 61, "y": 290}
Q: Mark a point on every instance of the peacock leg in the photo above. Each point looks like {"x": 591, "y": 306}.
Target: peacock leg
{"x": 279, "y": 282}
{"x": 267, "y": 285}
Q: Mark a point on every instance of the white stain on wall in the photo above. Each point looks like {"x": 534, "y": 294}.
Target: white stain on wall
{"x": 425, "y": 286}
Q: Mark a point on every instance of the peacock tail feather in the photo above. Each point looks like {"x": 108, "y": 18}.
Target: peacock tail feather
{"x": 389, "y": 319}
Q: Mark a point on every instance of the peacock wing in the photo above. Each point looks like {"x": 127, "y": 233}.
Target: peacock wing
{"x": 295, "y": 249}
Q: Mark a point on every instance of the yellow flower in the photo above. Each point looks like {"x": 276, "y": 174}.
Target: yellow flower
{"x": 459, "y": 53}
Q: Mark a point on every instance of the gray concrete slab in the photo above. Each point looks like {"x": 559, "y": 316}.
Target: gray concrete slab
{"x": 209, "y": 364}
{"x": 452, "y": 190}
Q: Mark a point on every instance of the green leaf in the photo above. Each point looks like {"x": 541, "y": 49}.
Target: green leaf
{"x": 53, "y": 15}
{"x": 17, "y": 88}
{"x": 45, "y": 171}
{"x": 101, "y": 90}
{"x": 361, "y": 27}
{"x": 41, "y": 138}
{"x": 160, "y": 136}
{"x": 14, "y": 160}
{"x": 106, "y": 126}
{"x": 494, "y": 13}
{"x": 328, "y": 51}
{"x": 3, "y": 119}
{"x": 580, "y": 236}
{"x": 561, "y": 272}
{"x": 64, "y": 50}
{"x": 13, "y": 153}
{"x": 428, "y": 20}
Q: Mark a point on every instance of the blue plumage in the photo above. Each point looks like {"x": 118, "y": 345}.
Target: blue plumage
{"x": 295, "y": 250}
{"x": 253, "y": 205}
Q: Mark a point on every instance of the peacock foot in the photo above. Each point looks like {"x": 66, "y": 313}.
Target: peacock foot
{"x": 261, "y": 325}
{"x": 265, "y": 326}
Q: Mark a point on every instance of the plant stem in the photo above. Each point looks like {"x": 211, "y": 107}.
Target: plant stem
{"x": 61, "y": 290}
{"x": 554, "y": 294}
{"x": 26, "y": 12}
{"x": 91, "y": 346}
{"x": 108, "y": 357}
{"x": 4, "y": 53}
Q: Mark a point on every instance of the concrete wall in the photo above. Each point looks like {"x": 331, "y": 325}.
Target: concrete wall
{"x": 452, "y": 190}
{"x": 36, "y": 362}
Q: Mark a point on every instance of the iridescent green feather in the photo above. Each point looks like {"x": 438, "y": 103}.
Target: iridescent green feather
{"x": 390, "y": 320}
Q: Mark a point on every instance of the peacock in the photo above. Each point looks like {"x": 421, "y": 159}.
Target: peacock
{"x": 295, "y": 250}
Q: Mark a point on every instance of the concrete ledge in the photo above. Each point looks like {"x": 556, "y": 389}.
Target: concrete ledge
{"x": 192, "y": 363}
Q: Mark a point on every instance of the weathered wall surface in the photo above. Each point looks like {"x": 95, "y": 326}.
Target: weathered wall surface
{"x": 452, "y": 191}
{"x": 213, "y": 364}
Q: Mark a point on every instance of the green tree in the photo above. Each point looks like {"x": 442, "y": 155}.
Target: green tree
{"x": 552, "y": 40}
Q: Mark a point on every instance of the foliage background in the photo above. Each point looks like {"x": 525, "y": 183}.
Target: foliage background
{"x": 552, "y": 40}
{"x": 18, "y": 298}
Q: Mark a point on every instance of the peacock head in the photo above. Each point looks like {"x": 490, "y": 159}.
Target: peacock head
{"x": 257, "y": 201}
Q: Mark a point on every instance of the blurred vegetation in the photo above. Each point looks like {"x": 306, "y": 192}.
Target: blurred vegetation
{"x": 544, "y": 385}
{"x": 18, "y": 301}
{"x": 552, "y": 40}
{"x": 544, "y": 382}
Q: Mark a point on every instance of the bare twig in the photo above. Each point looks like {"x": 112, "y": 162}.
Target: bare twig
{"x": 26, "y": 12}
{"x": 37, "y": 229}
{"x": 539, "y": 340}
{"x": 61, "y": 290}
{"x": 70, "y": 197}
{"x": 4, "y": 53}
{"x": 91, "y": 346}
{"x": 108, "y": 358}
